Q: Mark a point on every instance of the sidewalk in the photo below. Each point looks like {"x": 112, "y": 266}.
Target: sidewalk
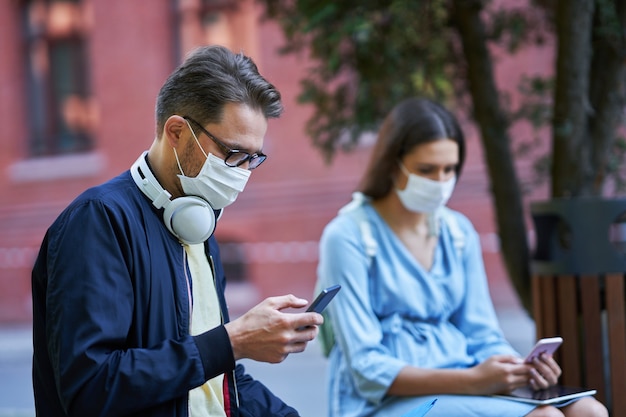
{"x": 16, "y": 394}
{"x": 300, "y": 380}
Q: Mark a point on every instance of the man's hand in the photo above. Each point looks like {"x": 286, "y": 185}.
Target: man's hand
{"x": 266, "y": 334}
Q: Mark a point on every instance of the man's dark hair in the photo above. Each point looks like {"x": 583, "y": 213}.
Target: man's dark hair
{"x": 209, "y": 78}
{"x": 411, "y": 122}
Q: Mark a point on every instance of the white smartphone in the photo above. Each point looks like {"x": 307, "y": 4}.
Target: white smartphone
{"x": 548, "y": 346}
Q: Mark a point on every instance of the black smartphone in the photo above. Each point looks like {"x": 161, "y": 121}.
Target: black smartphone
{"x": 321, "y": 301}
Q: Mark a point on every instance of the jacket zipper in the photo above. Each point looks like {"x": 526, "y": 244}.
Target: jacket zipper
{"x": 188, "y": 282}
{"x": 211, "y": 264}
{"x": 189, "y": 300}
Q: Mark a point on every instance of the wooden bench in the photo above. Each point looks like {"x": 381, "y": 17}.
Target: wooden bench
{"x": 589, "y": 313}
{"x": 579, "y": 292}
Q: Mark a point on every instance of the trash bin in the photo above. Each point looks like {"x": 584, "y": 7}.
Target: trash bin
{"x": 578, "y": 291}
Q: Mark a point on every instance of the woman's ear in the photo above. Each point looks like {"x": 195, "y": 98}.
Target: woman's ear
{"x": 173, "y": 130}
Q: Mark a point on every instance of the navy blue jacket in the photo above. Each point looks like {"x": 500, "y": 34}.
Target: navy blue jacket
{"x": 111, "y": 316}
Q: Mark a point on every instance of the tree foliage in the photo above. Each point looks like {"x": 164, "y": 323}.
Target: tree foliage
{"x": 369, "y": 54}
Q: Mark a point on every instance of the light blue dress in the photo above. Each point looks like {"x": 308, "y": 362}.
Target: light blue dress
{"x": 391, "y": 312}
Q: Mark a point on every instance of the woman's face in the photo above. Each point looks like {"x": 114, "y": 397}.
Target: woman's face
{"x": 436, "y": 160}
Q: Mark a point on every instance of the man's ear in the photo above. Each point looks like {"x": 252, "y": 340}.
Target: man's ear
{"x": 173, "y": 130}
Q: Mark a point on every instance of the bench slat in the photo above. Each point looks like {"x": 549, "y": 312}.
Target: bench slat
{"x": 592, "y": 334}
{"x": 569, "y": 329}
{"x": 616, "y": 323}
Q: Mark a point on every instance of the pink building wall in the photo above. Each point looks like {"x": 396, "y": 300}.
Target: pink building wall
{"x": 280, "y": 216}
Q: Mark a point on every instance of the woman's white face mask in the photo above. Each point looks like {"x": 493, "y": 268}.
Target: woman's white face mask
{"x": 216, "y": 182}
{"x": 423, "y": 195}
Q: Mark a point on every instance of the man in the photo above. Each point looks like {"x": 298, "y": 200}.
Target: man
{"x": 129, "y": 316}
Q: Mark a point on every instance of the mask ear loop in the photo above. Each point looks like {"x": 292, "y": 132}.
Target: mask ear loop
{"x": 197, "y": 142}
{"x": 404, "y": 171}
{"x": 196, "y": 138}
{"x": 178, "y": 162}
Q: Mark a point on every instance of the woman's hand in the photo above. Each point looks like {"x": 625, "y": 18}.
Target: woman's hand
{"x": 499, "y": 374}
{"x": 544, "y": 372}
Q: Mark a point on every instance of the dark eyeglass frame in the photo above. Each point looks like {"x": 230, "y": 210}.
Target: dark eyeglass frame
{"x": 234, "y": 157}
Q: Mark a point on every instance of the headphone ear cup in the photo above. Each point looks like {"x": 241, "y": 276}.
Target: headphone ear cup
{"x": 189, "y": 218}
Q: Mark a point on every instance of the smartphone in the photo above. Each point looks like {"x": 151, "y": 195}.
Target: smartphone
{"x": 321, "y": 301}
{"x": 548, "y": 346}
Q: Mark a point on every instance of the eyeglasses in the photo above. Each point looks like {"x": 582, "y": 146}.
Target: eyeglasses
{"x": 234, "y": 157}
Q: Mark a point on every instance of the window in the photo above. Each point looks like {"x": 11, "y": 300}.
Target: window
{"x": 216, "y": 16}
{"x": 230, "y": 23}
{"x": 60, "y": 106}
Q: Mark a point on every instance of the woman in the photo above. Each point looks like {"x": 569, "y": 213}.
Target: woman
{"x": 415, "y": 321}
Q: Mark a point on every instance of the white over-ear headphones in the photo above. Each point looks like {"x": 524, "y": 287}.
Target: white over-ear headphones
{"x": 191, "y": 219}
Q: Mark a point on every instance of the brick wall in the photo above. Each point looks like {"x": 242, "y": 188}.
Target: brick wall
{"x": 287, "y": 203}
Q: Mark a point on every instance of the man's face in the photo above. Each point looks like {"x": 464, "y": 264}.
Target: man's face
{"x": 242, "y": 128}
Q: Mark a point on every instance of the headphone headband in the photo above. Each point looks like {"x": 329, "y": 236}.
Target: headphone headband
{"x": 148, "y": 184}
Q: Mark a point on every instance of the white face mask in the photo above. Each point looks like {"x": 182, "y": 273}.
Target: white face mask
{"x": 424, "y": 195}
{"x": 216, "y": 182}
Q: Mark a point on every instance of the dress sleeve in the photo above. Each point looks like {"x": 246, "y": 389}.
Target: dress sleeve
{"x": 90, "y": 301}
{"x": 357, "y": 330}
{"x": 476, "y": 316}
